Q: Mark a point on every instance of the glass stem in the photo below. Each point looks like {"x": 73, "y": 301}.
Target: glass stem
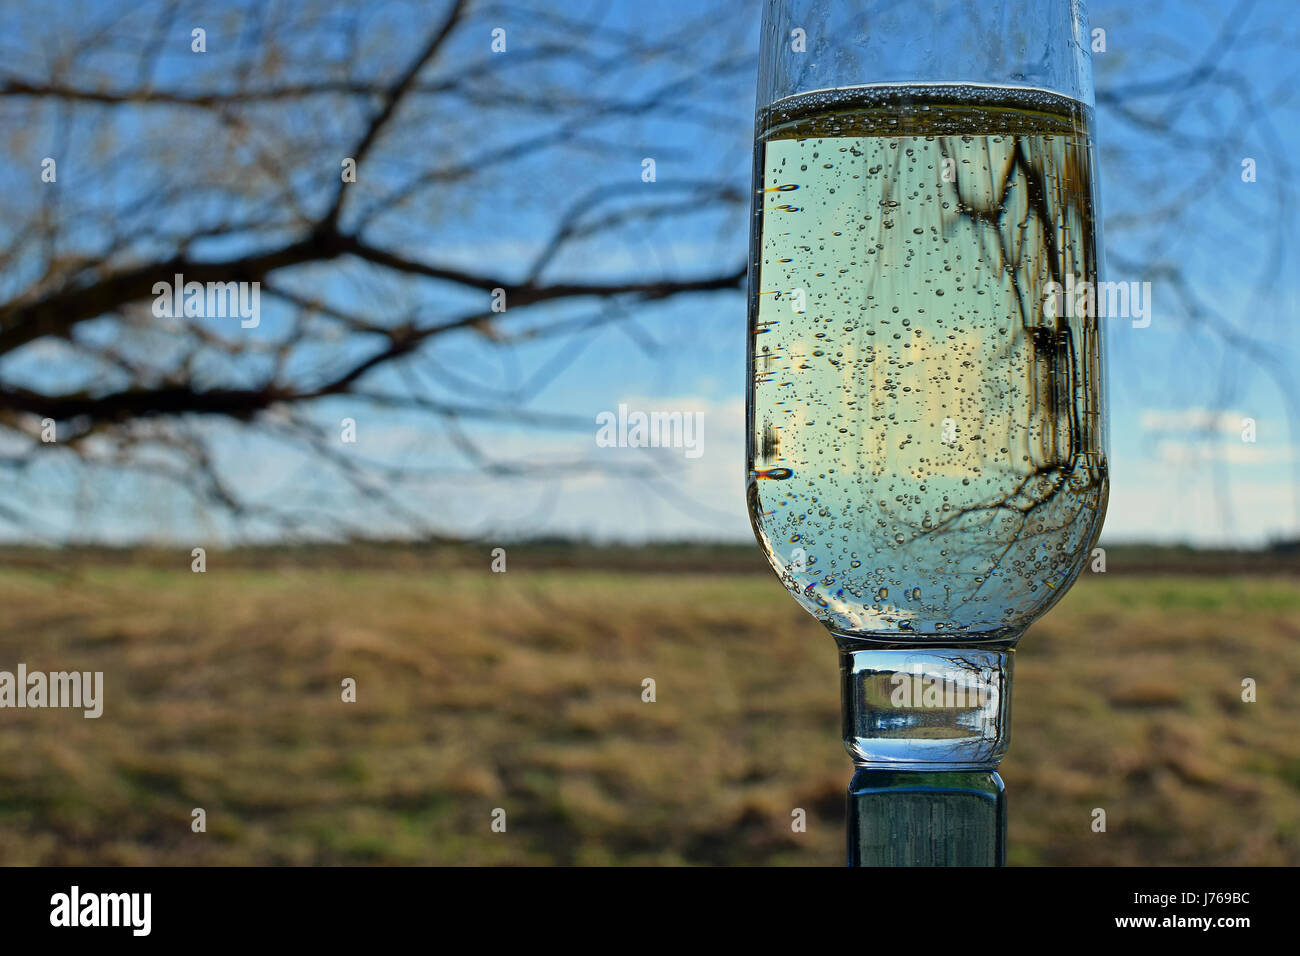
{"x": 916, "y": 818}
{"x": 926, "y": 727}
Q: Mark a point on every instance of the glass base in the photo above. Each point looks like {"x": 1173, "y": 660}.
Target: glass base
{"x": 918, "y": 818}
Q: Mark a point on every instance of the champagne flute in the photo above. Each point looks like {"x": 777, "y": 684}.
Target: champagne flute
{"x": 926, "y": 437}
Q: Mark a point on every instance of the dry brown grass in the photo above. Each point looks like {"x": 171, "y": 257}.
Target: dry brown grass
{"x": 523, "y": 691}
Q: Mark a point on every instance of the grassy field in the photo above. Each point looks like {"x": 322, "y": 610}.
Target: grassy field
{"x": 522, "y": 691}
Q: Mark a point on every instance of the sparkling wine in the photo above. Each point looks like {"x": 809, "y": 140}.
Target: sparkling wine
{"x": 925, "y": 450}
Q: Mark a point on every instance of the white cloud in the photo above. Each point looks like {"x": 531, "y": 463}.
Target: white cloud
{"x": 1183, "y": 453}
{"x": 1192, "y": 419}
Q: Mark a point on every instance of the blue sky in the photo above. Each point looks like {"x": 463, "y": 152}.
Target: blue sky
{"x": 1178, "y": 389}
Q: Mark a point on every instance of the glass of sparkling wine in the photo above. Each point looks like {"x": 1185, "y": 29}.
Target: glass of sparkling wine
{"x": 927, "y": 449}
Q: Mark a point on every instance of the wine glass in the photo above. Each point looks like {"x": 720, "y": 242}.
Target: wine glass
{"x": 926, "y": 445}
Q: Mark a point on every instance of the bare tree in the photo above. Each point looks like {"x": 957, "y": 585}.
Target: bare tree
{"x": 336, "y": 156}
{"x": 497, "y": 151}
{"x": 1193, "y": 98}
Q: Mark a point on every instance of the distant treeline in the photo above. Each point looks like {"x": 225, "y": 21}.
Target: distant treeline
{"x": 1282, "y": 557}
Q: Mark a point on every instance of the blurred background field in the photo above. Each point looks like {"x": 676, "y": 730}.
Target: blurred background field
{"x": 523, "y": 691}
